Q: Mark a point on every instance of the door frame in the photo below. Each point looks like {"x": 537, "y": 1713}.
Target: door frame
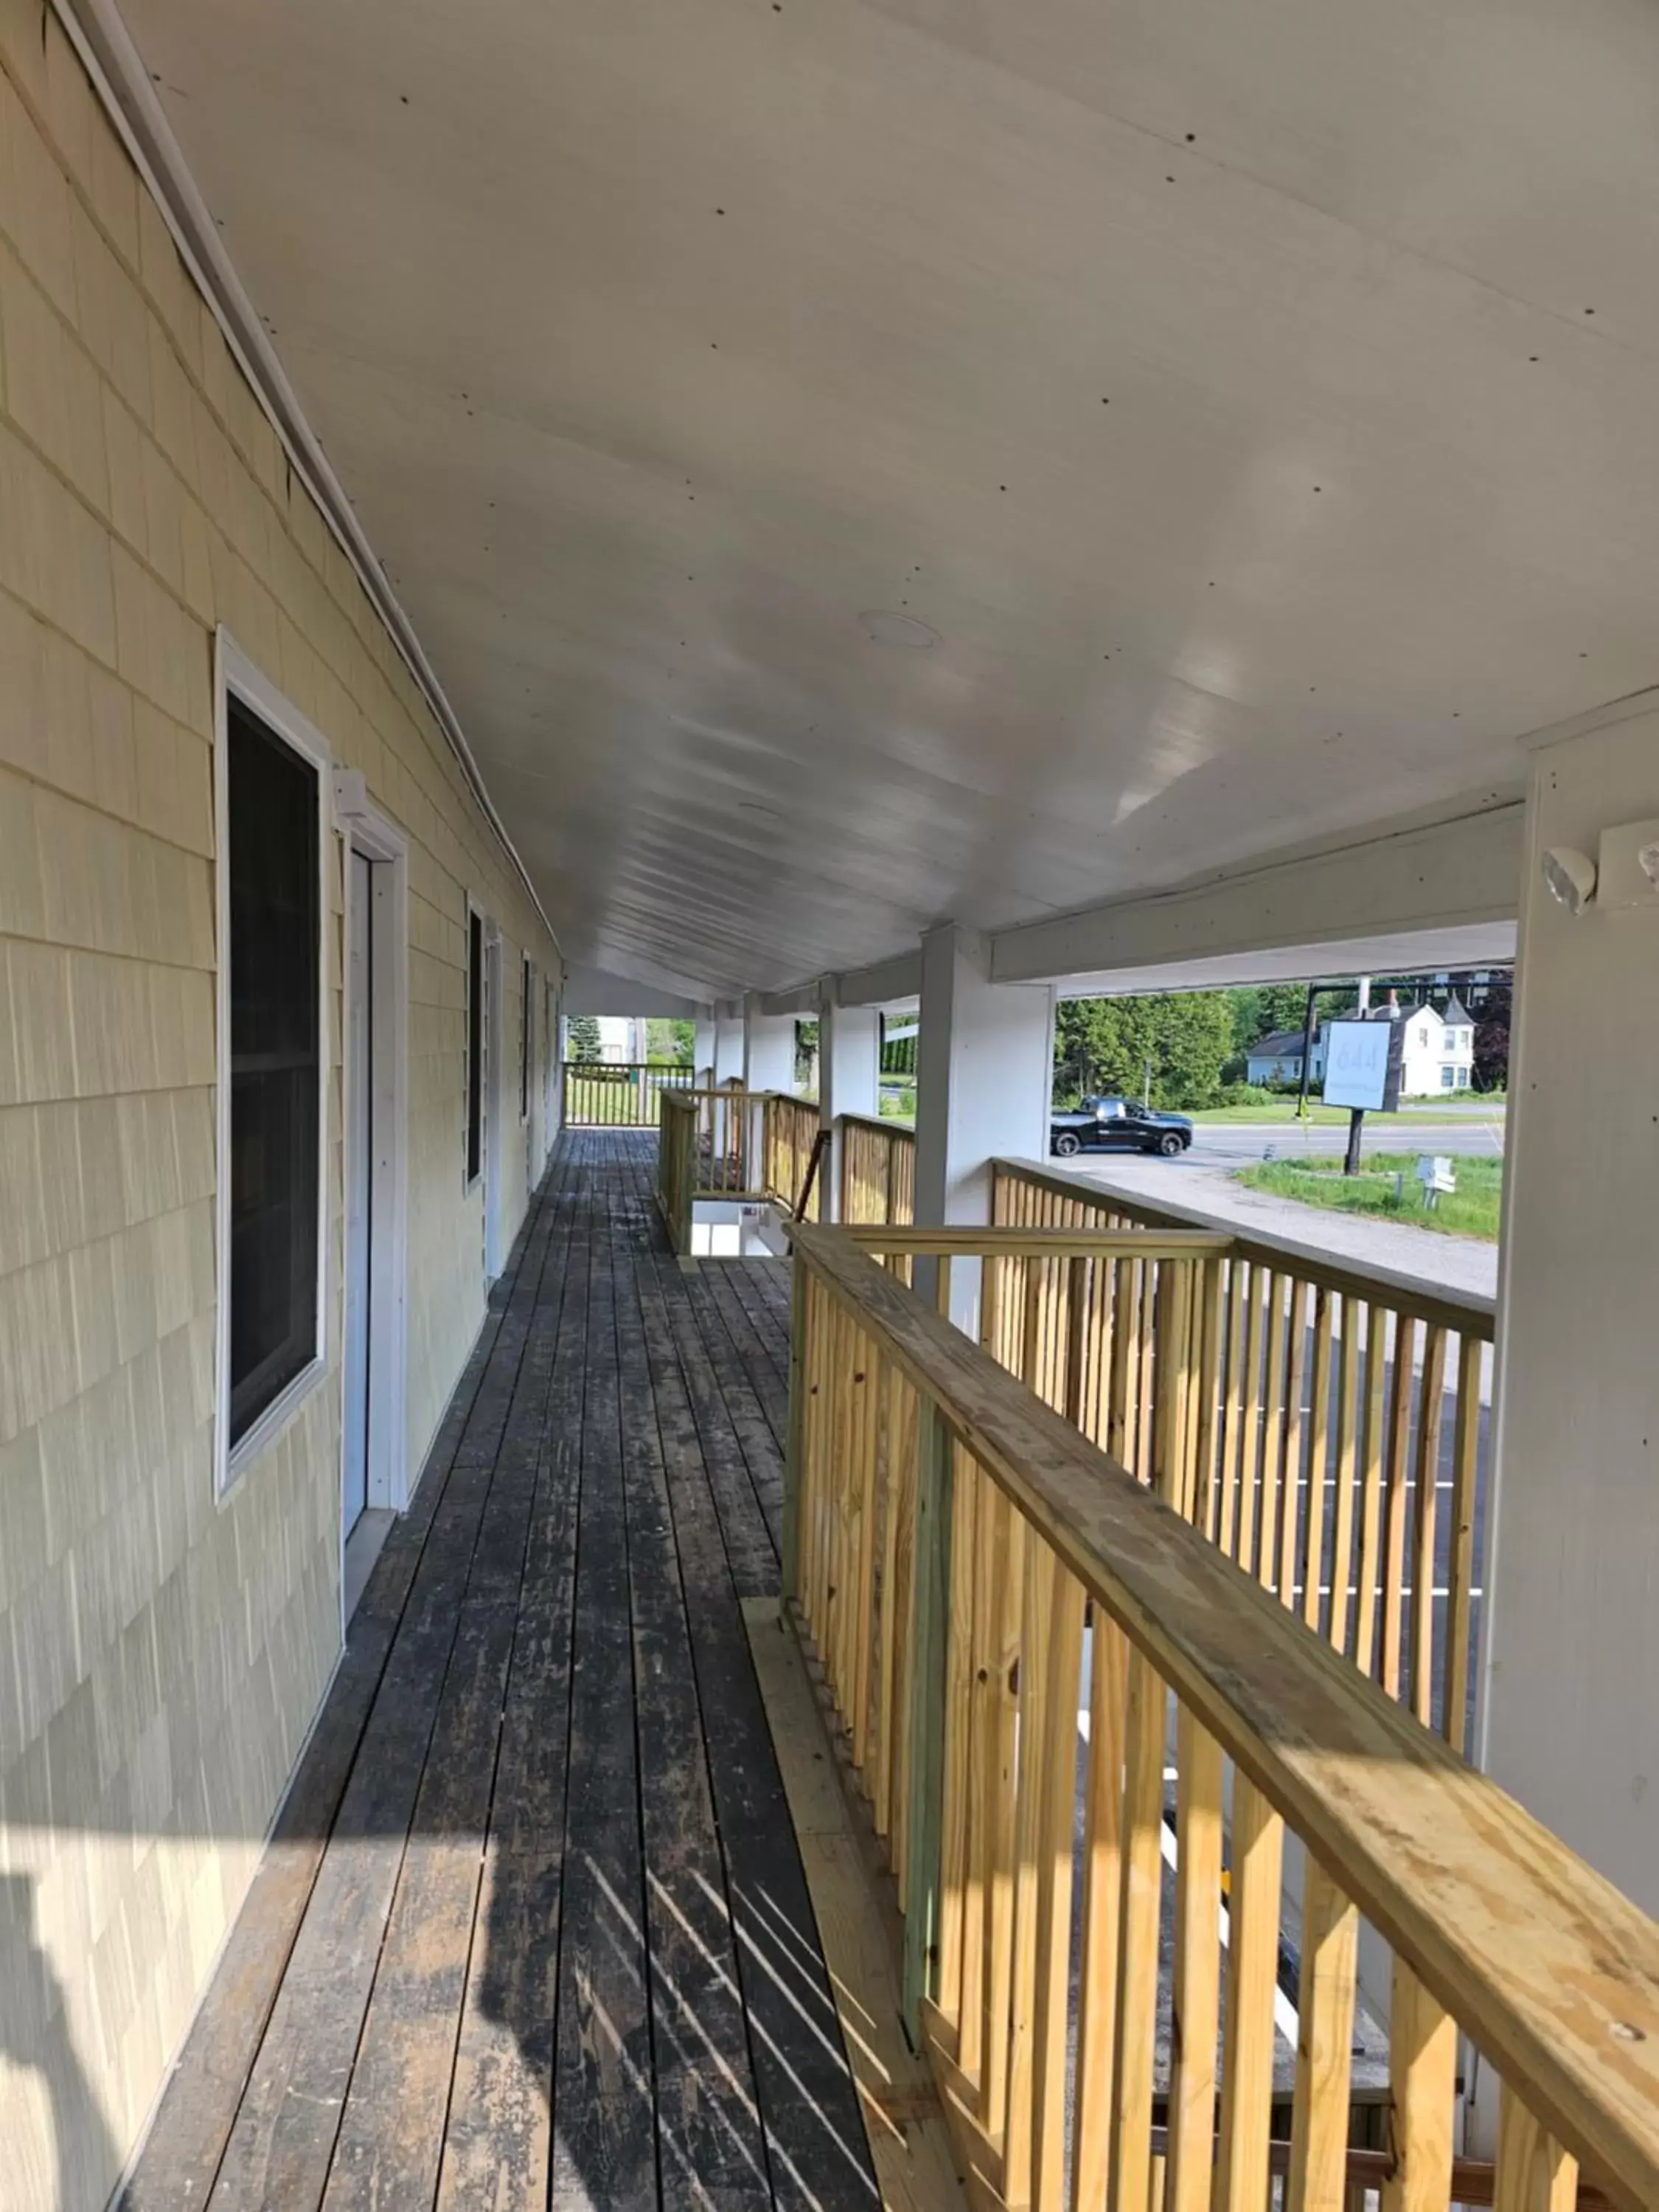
{"x": 368, "y": 832}
{"x": 494, "y": 1146}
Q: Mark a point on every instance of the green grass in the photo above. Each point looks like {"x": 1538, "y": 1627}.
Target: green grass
{"x": 1282, "y": 1110}
{"x": 1469, "y": 1210}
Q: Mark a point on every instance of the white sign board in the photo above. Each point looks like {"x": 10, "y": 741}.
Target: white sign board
{"x": 1356, "y": 1063}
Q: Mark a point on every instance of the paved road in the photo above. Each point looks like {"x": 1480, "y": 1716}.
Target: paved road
{"x": 1241, "y": 1144}
{"x": 1204, "y": 1179}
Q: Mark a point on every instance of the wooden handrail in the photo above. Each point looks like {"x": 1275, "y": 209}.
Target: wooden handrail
{"x": 1040, "y": 1243}
{"x": 1551, "y": 1971}
{"x": 887, "y": 1123}
{"x": 619, "y": 1094}
{"x": 1465, "y": 1311}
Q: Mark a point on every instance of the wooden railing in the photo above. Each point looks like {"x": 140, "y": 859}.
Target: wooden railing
{"x": 1331, "y": 1421}
{"x": 877, "y": 1170}
{"x": 794, "y": 1168}
{"x": 676, "y": 1165}
{"x": 729, "y": 1143}
{"x": 622, "y": 1095}
{"x": 967, "y": 1566}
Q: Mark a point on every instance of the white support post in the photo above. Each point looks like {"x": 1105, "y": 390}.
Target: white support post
{"x": 849, "y": 1065}
{"x": 702, "y": 1045}
{"x": 1569, "y": 1723}
{"x": 984, "y": 1083}
{"x": 769, "y": 1048}
{"x": 728, "y": 1041}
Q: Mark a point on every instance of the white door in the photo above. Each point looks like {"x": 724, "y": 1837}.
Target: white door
{"x": 359, "y": 1184}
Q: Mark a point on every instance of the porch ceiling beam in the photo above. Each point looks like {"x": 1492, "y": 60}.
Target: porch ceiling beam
{"x": 885, "y": 985}
{"x": 1451, "y": 889}
{"x": 803, "y": 998}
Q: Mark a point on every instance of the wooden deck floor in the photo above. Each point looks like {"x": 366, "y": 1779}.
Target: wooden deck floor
{"x": 533, "y": 1930}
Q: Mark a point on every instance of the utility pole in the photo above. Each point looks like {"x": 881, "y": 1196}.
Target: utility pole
{"x": 1357, "y": 1113}
{"x": 1307, "y": 1049}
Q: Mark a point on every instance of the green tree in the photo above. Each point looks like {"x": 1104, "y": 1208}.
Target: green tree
{"x": 671, "y": 1041}
{"x": 898, "y": 1054}
{"x": 582, "y": 1036}
{"x": 1104, "y": 1044}
{"x": 1492, "y": 1040}
{"x": 1264, "y": 1007}
{"x": 806, "y": 1056}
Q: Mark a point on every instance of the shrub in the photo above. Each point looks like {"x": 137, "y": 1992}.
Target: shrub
{"x": 1248, "y": 1094}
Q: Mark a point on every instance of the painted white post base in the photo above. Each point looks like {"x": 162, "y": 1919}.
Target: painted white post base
{"x": 984, "y": 1080}
{"x": 1570, "y": 1721}
{"x": 768, "y": 1047}
{"x": 849, "y": 1060}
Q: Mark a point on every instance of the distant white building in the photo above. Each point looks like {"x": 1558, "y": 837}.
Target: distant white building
{"x": 1437, "y": 1051}
{"x": 1277, "y": 1058}
{"x": 622, "y": 1040}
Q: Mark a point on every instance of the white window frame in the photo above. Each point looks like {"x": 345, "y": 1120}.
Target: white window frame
{"x": 237, "y": 676}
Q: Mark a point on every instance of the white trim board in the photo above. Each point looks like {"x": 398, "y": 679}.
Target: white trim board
{"x": 235, "y": 673}
{"x": 368, "y": 831}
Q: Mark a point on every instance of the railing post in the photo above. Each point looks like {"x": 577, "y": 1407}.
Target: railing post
{"x": 929, "y": 1624}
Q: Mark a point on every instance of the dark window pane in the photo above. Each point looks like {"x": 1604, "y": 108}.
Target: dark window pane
{"x": 474, "y": 1043}
{"x": 275, "y": 1045}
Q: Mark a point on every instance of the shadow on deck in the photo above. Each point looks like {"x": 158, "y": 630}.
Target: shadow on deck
{"x": 533, "y": 1928}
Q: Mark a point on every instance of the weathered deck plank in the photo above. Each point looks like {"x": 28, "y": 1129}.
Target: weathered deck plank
{"x": 536, "y": 1932}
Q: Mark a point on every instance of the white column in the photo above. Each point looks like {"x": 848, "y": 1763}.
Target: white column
{"x": 984, "y": 1081}
{"x": 702, "y": 1044}
{"x": 849, "y": 1065}
{"x": 729, "y": 1040}
{"x": 769, "y": 1048}
{"x": 1571, "y": 1725}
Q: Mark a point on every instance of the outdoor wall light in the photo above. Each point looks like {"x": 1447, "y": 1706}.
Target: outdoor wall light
{"x": 1624, "y": 877}
{"x": 1570, "y": 877}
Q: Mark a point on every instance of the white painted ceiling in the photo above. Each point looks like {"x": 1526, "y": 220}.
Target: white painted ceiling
{"x": 1257, "y": 398}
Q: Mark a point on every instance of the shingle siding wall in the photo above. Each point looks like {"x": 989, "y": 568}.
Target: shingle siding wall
{"x": 162, "y": 1654}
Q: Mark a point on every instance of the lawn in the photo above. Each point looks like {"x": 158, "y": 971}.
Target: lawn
{"x": 1282, "y": 1110}
{"x": 1469, "y": 1210}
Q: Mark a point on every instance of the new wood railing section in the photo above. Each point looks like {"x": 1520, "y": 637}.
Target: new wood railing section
{"x": 877, "y": 1170}
{"x": 676, "y": 1165}
{"x": 792, "y": 1154}
{"x": 618, "y": 1094}
{"x": 1328, "y": 1422}
{"x": 969, "y": 1569}
{"x": 729, "y": 1143}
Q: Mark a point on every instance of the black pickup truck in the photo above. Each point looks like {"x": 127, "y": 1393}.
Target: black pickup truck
{"x": 1118, "y": 1125}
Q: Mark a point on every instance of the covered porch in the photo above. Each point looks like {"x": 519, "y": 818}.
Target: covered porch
{"x": 781, "y": 1758}
{"x": 533, "y": 1925}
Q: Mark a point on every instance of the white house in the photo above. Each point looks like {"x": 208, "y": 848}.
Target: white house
{"x": 1277, "y": 1058}
{"x": 1437, "y": 1050}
